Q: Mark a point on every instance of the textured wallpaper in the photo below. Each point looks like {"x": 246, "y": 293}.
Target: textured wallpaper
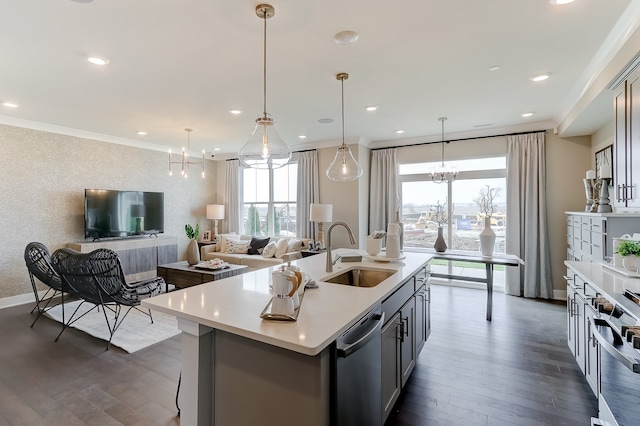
{"x": 43, "y": 178}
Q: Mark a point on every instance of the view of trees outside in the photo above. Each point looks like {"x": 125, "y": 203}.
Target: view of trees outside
{"x": 421, "y": 197}
{"x": 269, "y": 201}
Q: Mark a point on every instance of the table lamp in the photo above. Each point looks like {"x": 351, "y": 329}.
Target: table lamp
{"x": 215, "y": 212}
{"x": 321, "y": 213}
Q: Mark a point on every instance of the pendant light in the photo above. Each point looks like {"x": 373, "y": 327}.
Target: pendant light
{"x": 265, "y": 149}
{"x": 443, "y": 174}
{"x": 344, "y": 166}
{"x": 184, "y": 159}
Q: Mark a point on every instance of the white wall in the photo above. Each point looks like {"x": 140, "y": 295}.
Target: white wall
{"x": 43, "y": 178}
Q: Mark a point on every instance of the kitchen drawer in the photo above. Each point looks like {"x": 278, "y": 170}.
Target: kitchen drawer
{"x": 598, "y": 246}
{"x": 599, "y": 224}
{"x": 585, "y": 222}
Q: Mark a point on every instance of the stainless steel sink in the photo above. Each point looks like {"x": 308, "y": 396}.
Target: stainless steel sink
{"x": 360, "y": 277}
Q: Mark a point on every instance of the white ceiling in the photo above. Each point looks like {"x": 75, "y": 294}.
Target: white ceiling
{"x": 178, "y": 64}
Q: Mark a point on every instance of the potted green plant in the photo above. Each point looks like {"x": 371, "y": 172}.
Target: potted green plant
{"x": 193, "y": 253}
{"x": 630, "y": 252}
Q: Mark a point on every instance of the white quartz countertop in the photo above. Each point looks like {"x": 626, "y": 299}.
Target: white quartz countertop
{"x": 610, "y": 283}
{"x": 625, "y": 213}
{"x": 234, "y": 304}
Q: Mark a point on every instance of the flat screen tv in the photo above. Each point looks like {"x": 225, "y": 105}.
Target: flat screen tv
{"x": 122, "y": 214}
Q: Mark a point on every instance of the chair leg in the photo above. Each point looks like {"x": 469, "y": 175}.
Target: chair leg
{"x": 178, "y": 393}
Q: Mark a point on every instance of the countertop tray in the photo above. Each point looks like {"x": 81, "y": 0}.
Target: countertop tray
{"x": 622, "y": 271}
{"x": 268, "y": 315}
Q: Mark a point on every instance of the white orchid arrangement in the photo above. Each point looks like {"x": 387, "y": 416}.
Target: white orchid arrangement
{"x": 485, "y": 200}
{"x": 441, "y": 214}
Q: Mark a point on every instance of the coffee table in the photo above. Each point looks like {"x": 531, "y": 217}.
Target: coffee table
{"x": 183, "y": 275}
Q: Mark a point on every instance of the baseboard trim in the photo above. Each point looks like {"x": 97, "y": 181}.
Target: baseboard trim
{"x": 21, "y": 299}
{"x": 560, "y": 295}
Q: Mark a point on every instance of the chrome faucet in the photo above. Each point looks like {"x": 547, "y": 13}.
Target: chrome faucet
{"x": 330, "y": 261}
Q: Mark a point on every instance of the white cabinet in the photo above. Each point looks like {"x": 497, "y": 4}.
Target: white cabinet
{"x": 590, "y": 235}
{"x": 627, "y": 142}
{"x": 580, "y": 338}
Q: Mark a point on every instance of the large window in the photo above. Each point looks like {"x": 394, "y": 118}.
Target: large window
{"x": 269, "y": 201}
{"x": 421, "y": 197}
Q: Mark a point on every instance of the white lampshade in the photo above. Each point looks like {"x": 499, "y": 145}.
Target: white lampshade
{"x": 215, "y": 211}
{"x": 321, "y": 212}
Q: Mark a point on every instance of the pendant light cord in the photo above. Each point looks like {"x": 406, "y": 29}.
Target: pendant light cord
{"x": 442, "y": 122}
{"x": 264, "y": 65}
{"x": 342, "y": 83}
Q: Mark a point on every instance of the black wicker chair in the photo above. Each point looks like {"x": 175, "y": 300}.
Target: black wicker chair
{"x": 97, "y": 278}
{"x": 38, "y": 261}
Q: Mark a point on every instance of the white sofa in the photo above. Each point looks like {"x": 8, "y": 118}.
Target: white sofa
{"x": 255, "y": 261}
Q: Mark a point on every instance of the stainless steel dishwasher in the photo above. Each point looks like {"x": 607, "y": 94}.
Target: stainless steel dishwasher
{"x": 358, "y": 382}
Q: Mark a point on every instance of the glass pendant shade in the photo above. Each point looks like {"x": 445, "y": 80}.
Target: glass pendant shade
{"x": 265, "y": 149}
{"x": 344, "y": 166}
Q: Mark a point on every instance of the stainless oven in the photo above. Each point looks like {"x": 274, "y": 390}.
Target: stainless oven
{"x": 619, "y": 398}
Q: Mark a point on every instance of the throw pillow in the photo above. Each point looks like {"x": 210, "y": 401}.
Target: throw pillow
{"x": 223, "y": 239}
{"x": 295, "y": 244}
{"x": 237, "y": 246}
{"x": 269, "y": 249}
{"x": 257, "y": 245}
{"x": 281, "y": 248}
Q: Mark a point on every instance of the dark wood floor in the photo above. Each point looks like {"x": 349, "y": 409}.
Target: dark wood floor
{"x": 516, "y": 370}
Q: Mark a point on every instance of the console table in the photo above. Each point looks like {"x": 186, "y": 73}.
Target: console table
{"x": 139, "y": 256}
{"x": 475, "y": 257}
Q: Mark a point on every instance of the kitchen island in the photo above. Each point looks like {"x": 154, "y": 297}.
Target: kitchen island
{"x": 240, "y": 369}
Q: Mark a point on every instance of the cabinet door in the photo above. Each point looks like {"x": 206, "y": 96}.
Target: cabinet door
{"x": 620, "y": 144}
{"x": 408, "y": 340}
{"x": 391, "y": 378}
{"x": 581, "y": 332}
{"x": 633, "y": 139}
{"x": 591, "y": 352}
{"x": 421, "y": 320}
{"x": 571, "y": 321}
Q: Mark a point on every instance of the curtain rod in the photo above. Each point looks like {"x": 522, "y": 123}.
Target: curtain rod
{"x": 461, "y": 139}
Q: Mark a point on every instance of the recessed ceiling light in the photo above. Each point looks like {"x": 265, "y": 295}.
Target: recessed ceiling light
{"x": 346, "y": 37}
{"x": 372, "y": 108}
{"x": 399, "y": 132}
{"x": 325, "y": 120}
{"x": 302, "y": 137}
{"x": 98, "y": 61}
{"x": 216, "y": 149}
{"x": 560, "y": 1}
{"x": 528, "y": 114}
{"x": 494, "y": 68}
{"x": 141, "y": 132}
{"x": 10, "y": 105}
{"x": 235, "y": 111}
{"x": 540, "y": 77}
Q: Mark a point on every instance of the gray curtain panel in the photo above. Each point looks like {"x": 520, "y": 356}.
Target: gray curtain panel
{"x": 231, "y": 196}
{"x": 384, "y": 198}
{"x": 527, "y": 218}
{"x": 308, "y": 192}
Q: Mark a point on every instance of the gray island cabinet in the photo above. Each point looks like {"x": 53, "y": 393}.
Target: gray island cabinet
{"x": 238, "y": 369}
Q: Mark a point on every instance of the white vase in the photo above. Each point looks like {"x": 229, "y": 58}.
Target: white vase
{"x": 193, "y": 254}
{"x": 487, "y": 238}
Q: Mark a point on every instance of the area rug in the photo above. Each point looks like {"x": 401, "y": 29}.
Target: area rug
{"x": 136, "y": 331}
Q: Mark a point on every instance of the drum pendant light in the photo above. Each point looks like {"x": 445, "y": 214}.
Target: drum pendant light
{"x": 265, "y": 149}
{"x": 344, "y": 166}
